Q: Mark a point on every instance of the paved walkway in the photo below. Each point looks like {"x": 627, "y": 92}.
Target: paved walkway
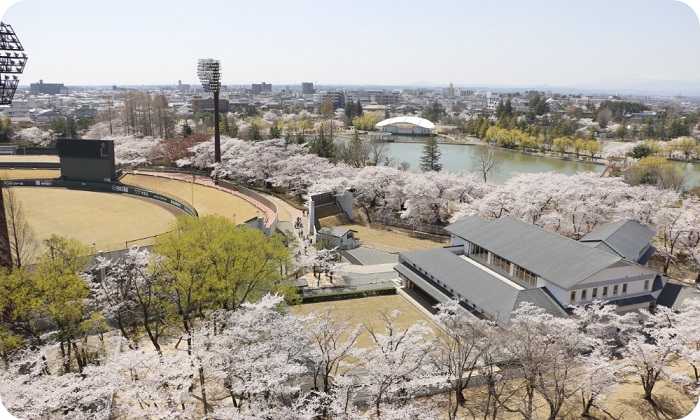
{"x": 370, "y": 276}
{"x": 368, "y": 256}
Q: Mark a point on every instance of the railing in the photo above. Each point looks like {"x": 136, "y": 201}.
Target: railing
{"x": 167, "y": 169}
{"x": 271, "y": 226}
{"x": 410, "y": 225}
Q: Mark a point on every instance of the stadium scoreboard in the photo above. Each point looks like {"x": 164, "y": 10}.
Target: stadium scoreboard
{"x": 87, "y": 160}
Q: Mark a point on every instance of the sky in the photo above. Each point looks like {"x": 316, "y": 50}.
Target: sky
{"x": 538, "y": 43}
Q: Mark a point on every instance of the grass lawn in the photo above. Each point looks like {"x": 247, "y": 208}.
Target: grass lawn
{"x": 368, "y": 311}
{"x": 392, "y": 240}
{"x": 29, "y": 158}
{"x": 206, "y": 200}
{"x": 105, "y": 219}
{"x": 29, "y": 173}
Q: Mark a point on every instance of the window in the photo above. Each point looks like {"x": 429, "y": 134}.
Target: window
{"x": 624, "y": 288}
{"x": 615, "y": 290}
{"x": 501, "y": 263}
{"x": 573, "y": 296}
{"x": 583, "y": 294}
{"x": 594, "y": 293}
{"x": 481, "y": 253}
{"x": 646, "y": 284}
{"x": 605, "y": 291}
{"x": 527, "y": 276}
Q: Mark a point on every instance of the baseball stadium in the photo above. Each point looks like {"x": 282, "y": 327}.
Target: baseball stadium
{"x": 79, "y": 193}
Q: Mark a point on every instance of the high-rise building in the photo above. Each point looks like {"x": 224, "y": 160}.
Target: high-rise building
{"x": 45, "y": 88}
{"x": 258, "y": 88}
{"x": 307, "y": 88}
{"x": 180, "y": 87}
{"x": 449, "y": 91}
{"x": 386, "y": 98}
{"x": 336, "y": 96}
{"x": 207, "y": 105}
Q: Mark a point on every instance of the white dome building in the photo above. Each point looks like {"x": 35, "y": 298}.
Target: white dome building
{"x": 406, "y": 125}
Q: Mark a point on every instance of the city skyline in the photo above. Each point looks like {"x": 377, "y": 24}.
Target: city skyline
{"x": 544, "y": 43}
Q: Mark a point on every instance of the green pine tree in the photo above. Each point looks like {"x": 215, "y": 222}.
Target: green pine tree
{"x": 186, "y": 130}
{"x": 430, "y": 159}
{"x": 322, "y": 146}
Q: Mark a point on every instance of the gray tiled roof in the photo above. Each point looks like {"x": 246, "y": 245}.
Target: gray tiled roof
{"x": 492, "y": 295}
{"x": 674, "y": 294}
{"x": 626, "y": 238}
{"x": 540, "y": 297}
{"x": 497, "y": 298}
{"x": 557, "y": 259}
{"x": 335, "y": 231}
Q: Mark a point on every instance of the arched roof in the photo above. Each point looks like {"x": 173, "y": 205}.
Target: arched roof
{"x": 420, "y": 122}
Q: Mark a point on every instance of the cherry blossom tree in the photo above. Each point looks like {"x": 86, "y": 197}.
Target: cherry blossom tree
{"x": 130, "y": 289}
{"x": 597, "y": 373}
{"x": 380, "y": 188}
{"x": 34, "y": 136}
{"x": 322, "y": 261}
{"x": 32, "y": 388}
{"x": 430, "y": 197}
{"x": 395, "y": 363}
{"x": 499, "y": 391}
{"x": 331, "y": 342}
{"x": 686, "y": 323}
{"x": 648, "y": 352}
{"x": 257, "y": 353}
{"x": 678, "y": 231}
{"x": 150, "y": 385}
{"x": 599, "y": 324}
{"x": 543, "y": 347}
{"x": 460, "y": 349}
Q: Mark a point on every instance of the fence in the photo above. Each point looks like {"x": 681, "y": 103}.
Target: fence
{"x": 104, "y": 187}
{"x": 410, "y": 225}
{"x": 271, "y": 226}
{"x": 30, "y": 165}
{"x": 166, "y": 169}
{"x": 328, "y": 294}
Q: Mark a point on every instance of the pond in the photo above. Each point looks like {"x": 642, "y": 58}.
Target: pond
{"x": 458, "y": 157}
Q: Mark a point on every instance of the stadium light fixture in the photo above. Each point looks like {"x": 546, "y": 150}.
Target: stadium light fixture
{"x": 12, "y": 62}
{"x": 209, "y": 71}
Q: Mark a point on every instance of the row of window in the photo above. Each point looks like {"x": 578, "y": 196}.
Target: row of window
{"x": 504, "y": 265}
{"x": 594, "y": 292}
{"x": 527, "y": 276}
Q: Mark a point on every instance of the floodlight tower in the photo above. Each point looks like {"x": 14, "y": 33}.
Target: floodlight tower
{"x": 209, "y": 71}
{"x": 12, "y": 61}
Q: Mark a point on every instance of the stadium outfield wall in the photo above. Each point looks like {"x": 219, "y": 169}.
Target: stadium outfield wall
{"x": 103, "y": 187}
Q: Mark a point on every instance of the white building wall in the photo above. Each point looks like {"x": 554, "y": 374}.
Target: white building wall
{"x": 634, "y": 288}
{"x": 457, "y": 241}
{"x": 628, "y": 270}
{"x": 345, "y": 202}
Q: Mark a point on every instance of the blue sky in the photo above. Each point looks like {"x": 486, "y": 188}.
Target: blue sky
{"x": 469, "y": 42}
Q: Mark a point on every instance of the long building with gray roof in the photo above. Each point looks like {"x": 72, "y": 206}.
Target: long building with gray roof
{"x": 491, "y": 267}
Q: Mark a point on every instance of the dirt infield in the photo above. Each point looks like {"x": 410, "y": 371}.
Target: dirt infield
{"x": 206, "y": 200}
{"x": 105, "y": 219}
